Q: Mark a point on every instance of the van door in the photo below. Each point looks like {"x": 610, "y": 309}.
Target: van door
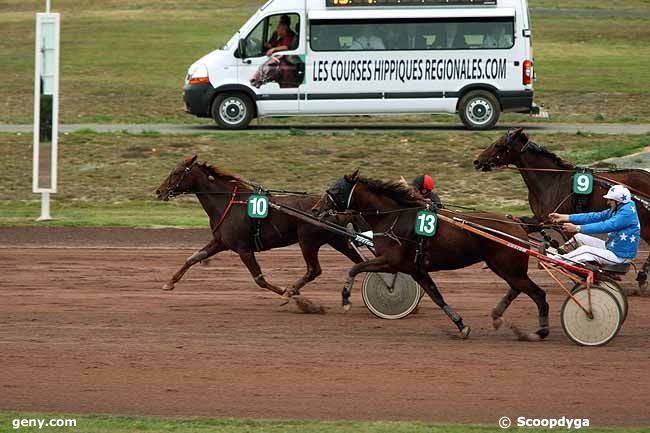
{"x": 273, "y": 64}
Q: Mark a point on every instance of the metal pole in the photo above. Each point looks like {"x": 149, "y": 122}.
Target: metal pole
{"x": 47, "y": 6}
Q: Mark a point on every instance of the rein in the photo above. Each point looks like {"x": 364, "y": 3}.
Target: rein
{"x": 594, "y": 172}
{"x": 638, "y": 195}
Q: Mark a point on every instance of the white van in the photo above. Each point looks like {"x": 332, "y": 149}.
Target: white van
{"x": 351, "y": 57}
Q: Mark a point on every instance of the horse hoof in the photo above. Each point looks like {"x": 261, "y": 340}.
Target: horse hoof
{"x": 533, "y": 337}
{"x": 465, "y": 332}
{"x": 347, "y": 307}
{"x": 497, "y": 322}
{"x": 643, "y": 286}
{"x": 543, "y": 333}
{"x": 168, "y": 287}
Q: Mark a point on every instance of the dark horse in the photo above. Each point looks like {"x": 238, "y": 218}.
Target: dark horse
{"x": 223, "y": 196}
{"x": 552, "y": 190}
{"x": 391, "y": 210}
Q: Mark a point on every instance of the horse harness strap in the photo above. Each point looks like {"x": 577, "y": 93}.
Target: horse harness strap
{"x": 390, "y": 234}
{"x": 603, "y": 180}
{"x": 581, "y": 201}
{"x": 257, "y": 234}
{"x": 228, "y": 207}
{"x": 419, "y": 243}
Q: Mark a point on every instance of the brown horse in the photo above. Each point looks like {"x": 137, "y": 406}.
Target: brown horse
{"x": 391, "y": 210}
{"x": 550, "y": 182}
{"x": 223, "y": 196}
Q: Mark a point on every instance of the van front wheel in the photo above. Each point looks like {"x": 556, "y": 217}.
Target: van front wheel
{"x": 232, "y": 110}
{"x": 479, "y": 110}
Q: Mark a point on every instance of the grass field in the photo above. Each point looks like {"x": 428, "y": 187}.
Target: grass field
{"x": 124, "y": 61}
{"x": 117, "y": 424}
{"x": 110, "y": 179}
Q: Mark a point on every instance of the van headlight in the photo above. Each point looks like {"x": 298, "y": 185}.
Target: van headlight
{"x": 198, "y": 74}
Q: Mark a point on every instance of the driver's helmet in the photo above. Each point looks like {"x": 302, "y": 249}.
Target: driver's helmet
{"x": 424, "y": 181}
{"x": 619, "y": 193}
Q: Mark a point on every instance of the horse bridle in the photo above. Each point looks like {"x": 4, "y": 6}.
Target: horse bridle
{"x": 508, "y": 146}
{"x": 173, "y": 192}
{"x": 342, "y": 199}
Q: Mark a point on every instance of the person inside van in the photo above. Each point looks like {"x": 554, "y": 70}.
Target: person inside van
{"x": 451, "y": 38}
{"x": 366, "y": 40}
{"x": 413, "y": 39}
{"x": 497, "y": 38}
{"x": 283, "y": 38}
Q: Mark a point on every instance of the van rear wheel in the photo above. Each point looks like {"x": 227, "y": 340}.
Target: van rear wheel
{"x": 232, "y": 110}
{"x": 479, "y": 110}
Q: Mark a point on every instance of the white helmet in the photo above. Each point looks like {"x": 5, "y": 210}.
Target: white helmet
{"x": 619, "y": 193}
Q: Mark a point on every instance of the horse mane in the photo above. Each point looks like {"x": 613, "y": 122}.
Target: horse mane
{"x": 225, "y": 175}
{"x": 403, "y": 195}
{"x": 541, "y": 150}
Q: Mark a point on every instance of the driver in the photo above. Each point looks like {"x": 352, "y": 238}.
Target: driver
{"x": 282, "y": 38}
{"x": 620, "y": 222}
{"x": 425, "y": 186}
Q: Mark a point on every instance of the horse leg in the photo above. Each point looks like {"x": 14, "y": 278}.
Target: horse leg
{"x": 534, "y": 292}
{"x": 377, "y": 264}
{"x": 248, "y": 258}
{"x": 538, "y": 295}
{"x": 432, "y": 290}
{"x": 310, "y": 254}
{"x": 521, "y": 283}
{"x": 642, "y": 278}
{"x": 502, "y": 306}
{"x": 209, "y": 250}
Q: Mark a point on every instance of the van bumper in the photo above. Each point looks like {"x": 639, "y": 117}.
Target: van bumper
{"x": 516, "y": 101}
{"x": 198, "y": 98}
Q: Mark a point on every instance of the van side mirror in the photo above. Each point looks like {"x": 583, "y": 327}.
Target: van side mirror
{"x": 242, "y": 48}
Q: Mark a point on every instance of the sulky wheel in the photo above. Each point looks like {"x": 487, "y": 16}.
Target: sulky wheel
{"x": 390, "y": 296}
{"x": 599, "y": 330}
{"x": 616, "y": 291}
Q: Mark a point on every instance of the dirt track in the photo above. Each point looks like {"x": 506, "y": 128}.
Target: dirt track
{"x": 86, "y": 330}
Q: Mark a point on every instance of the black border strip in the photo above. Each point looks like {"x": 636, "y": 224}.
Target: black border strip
{"x": 278, "y": 97}
{"x": 319, "y": 96}
{"x": 413, "y": 95}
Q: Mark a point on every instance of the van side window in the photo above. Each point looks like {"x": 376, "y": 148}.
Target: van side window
{"x": 412, "y": 34}
{"x": 274, "y": 33}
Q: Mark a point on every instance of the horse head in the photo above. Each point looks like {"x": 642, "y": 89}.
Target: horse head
{"x": 337, "y": 198}
{"x": 179, "y": 181}
{"x": 503, "y": 151}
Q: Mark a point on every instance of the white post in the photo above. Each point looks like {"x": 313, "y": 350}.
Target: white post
{"x": 45, "y": 207}
{"x": 47, "y": 6}
{"x": 46, "y": 91}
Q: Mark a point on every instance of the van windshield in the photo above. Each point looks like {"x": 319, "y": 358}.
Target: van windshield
{"x": 234, "y": 40}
